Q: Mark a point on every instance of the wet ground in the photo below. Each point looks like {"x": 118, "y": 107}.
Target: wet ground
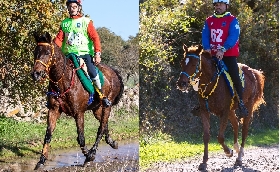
{"x": 125, "y": 158}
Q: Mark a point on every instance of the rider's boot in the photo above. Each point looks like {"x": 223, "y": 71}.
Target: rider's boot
{"x": 243, "y": 112}
{"x": 105, "y": 101}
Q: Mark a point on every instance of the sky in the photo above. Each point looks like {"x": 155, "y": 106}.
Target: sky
{"x": 119, "y": 16}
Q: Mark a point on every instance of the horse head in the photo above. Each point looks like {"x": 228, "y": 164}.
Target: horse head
{"x": 190, "y": 66}
{"x": 43, "y": 56}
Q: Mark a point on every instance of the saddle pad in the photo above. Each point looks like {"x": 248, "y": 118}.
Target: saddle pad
{"x": 222, "y": 67}
{"x": 85, "y": 80}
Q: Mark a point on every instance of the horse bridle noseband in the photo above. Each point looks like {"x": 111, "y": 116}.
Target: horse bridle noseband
{"x": 48, "y": 65}
{"x": 197, "y": 70}
{"x": 51, "y": 61}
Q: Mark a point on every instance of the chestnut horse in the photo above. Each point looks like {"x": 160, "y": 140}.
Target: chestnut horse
{"x": 215, "y": 98}
{"x": 70, "y": 97}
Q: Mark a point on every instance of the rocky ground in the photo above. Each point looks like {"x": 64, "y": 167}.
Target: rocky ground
{"x": 256, "y": 159}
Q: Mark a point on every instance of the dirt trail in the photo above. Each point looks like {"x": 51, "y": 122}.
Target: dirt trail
{"x": 256, "y": 159}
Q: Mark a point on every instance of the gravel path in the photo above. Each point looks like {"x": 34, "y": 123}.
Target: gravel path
{"x": 256, "y": 159}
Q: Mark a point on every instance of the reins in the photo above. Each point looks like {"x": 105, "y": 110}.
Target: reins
{"x": 193, "y": 82}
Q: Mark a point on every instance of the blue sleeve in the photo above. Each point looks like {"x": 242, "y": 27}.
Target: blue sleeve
{"x": 233, "y": 35}
{"x": 206, "y": 36}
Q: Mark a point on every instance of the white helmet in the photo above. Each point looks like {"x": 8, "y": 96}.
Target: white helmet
{"x": 221, "y": 1}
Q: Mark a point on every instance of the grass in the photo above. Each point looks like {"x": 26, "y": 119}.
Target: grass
{"x": 162, "y": 148}
{"x": 26, "y": 138}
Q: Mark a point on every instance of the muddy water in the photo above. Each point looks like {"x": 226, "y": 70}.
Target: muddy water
{"x": 127, "y": 152}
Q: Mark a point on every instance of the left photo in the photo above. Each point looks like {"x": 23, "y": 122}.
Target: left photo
{"x": 69, "y": 88}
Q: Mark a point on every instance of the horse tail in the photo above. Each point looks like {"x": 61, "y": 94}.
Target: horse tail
{"x": 117, "y": 99}
{"x": 259, "y": 98}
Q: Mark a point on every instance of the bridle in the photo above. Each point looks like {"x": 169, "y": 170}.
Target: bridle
{"x": 197, "y": 69}
{"x": 51, "y": 61}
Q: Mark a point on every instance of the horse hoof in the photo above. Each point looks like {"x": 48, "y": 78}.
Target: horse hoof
{"x": 115, "y": 145}
{"x": 88, "y": 160}
{"x": 39, "y": 165}
{"x": 202, "y": 166}
{"x": 230, "y": 154}
{"x": 238, "y": 162}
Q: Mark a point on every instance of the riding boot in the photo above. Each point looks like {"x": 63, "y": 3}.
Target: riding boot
{"x": 105, "y": 101}
{"x": 243, "y": 112}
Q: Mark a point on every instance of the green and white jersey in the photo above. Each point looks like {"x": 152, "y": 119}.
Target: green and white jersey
{"x": 76, "y": 39}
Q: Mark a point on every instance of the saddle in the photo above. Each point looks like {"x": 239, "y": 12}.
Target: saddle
{"x": 83, "y": 75}
{"x": 221, "y": 67}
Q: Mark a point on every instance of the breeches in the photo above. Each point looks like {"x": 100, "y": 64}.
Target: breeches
{"x": 90, "y": 65}
{"x": 233, "y": 71}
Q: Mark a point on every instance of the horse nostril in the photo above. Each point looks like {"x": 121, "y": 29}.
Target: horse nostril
{"x": 183, "y": 84}
{"x": 43, "y": 74}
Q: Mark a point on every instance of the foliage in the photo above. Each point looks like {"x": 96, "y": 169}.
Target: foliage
{"x": 164, "y": 108}
{"x": 123, "y": 55}
{"x": 19, "y": 20}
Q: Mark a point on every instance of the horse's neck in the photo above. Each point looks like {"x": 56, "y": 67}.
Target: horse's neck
{"x": 59, "y": 68}
{"x": 208, "y": 69}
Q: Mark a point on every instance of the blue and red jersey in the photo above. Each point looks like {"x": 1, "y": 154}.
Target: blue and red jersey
{"x": 221, "y": 31}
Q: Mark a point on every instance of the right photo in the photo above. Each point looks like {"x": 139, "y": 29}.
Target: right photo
{"x": 209, "y": 85}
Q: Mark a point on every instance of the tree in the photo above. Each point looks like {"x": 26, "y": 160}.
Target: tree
{"x": 19, "y": 20}
{"x": 123, "y": 55}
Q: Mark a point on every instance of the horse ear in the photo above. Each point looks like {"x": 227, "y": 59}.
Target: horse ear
{"x": 185, "y": 48}
{"x": 36, "y": 36}
{"x": 48, "y": 37}
{"x": 199, "y": 48}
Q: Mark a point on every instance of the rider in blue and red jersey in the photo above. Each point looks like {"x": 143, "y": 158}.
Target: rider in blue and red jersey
{"x": 220, "y": 37}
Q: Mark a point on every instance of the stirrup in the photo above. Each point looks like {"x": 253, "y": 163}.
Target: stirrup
{"x": 243, "y": 112}
{"x": 106, "y": 102}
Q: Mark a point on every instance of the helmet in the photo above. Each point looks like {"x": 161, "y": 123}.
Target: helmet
{"x": 221, "y": 1}
{"x": 79, "y": 2}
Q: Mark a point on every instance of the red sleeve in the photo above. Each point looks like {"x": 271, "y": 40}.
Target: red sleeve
{"x": 93, "y": 35}
{"x": 59, "y": 38}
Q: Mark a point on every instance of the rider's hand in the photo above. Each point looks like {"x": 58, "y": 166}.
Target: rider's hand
{"x": 220, "y": 54}
{"x": 97, "y": 59}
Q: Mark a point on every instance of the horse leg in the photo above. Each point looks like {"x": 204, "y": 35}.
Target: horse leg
{"x": 205, "y": 117}
{"x": 53, "y": 115}
{"x": 221, "y": 137}
{"x": 245, "y": 128}
{"x": 80, "y": 131}
{"x": 109, "y": 140}
{"x": 103, "y": 119}
{"x": 234, "y": 123}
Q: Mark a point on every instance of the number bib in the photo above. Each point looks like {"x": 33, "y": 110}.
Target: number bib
{"x": 219, "y": 30}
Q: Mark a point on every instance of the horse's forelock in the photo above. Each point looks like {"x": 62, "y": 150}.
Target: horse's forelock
{"x": 44, "y": 38}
